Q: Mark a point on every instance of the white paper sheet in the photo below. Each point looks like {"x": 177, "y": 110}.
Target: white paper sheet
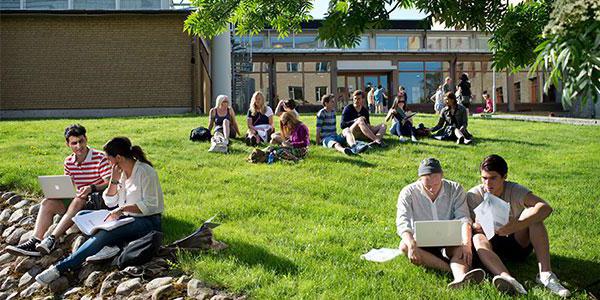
{"x": 381, "y": 255}
{"x": 492, "y": 214}
{"x": 90, "y": 221}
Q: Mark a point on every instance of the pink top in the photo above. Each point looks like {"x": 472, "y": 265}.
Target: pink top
{"x": 300, "y": 137}
{"x": 489, "y": 105}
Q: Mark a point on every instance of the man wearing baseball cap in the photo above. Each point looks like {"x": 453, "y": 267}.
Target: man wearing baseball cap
{"x": 432, "y": 197}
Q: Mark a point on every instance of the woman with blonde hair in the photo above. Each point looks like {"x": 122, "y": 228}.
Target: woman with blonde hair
{"x": 260, "y": 120}
{"x": 222, "y": 117}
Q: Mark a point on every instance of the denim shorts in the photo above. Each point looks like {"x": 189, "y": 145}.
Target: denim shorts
{"x": 329, "y": 141}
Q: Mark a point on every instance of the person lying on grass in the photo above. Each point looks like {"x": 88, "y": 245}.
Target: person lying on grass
{"x": 326, "y": 128}
{"x": 134, "y": 190}
{"x": 524, "y": 233}
{"x": 453, "y": 122}
{"x": 419, "y": 201}
{"x": 89, "y": 169}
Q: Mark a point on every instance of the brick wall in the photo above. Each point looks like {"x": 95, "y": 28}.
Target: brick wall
{"x": 94, "y": 61}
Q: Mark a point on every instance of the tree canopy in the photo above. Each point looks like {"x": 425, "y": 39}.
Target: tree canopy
{"x": 559, "y": 35}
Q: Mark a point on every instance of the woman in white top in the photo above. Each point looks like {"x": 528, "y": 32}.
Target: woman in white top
{"x": 133, "y": 191}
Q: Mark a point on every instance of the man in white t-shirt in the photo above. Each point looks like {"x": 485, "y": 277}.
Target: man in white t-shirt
{"x": 524, "y": 232}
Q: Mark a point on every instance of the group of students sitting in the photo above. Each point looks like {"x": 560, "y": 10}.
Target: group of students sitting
{"x": 432, "y": 197}
{"x": 121, "y": 179}
{"x": 357, "y": 132}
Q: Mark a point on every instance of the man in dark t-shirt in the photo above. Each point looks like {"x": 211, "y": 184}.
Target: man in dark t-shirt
{"x": 355, "y": 120}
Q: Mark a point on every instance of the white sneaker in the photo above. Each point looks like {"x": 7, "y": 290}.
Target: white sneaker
{"x": 414, "y": 139}
{"x": 509, "y": 285}
{"x": 403, "y": 139}
{"x": 46, "y": 277}
{"x": 104, "y": 254}
{"x": 550, "y": 281}
{"x": 473, "y": 276}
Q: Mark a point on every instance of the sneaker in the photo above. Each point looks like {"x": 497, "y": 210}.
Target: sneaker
{"x": 414, "y": 139}
{"x": 403, "y": 139}
{"x": 467, "y": 141}
{"x": 46, "y": 245}
{"x": 104, "y": 254}
{"x": 27, "y": 248}
{"x": 550, "y": 281}
{"x": 508, "y": 285}
{"x": 46, "y": 277}
{"x": 473, "y": 276}
{"x": 348, "y": 151}
{"x": 460, "y": 140}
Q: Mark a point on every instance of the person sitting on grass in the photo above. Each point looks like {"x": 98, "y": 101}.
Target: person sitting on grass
{"x": 292, "y": 143}
{"x": 355, "y": 121}
{"x": 489, "y": 103}
{"x": 434, "y": 198}
{"x": 401, "y": 125}
{"x": 222, "y": 117}
{"x": 260, "y": 120}
{"x": 326, "y": 128}
{"x": 134, "y": 190}
{"x": 282, "y": 107}
{"x": 89, "y": 169}
{"x": 453, "y": 121}
{"x": 525, "y": 231}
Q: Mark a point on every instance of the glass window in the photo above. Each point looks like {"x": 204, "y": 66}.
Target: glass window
{"x": 306, "y": 41}
{"x": 320, "y": 91}
{"x": 277, "y": 42}
{"x": 292, "y": 67}
{"x": 46, "y": 4}
{"x": 322, "y": 66}
{"x": 410, "y": 66}
{"x": 433, "y": 65}
{"x": 386, "y": 42}
{"x": 10, "y": 4}
{"x": 414, "y": 42}
{"x": 257, "y": 41}
{"x": 288, "y": 67}
{"x": 295, "y": 92}
{"x": 140, "y": 4}
{"x": 459, "y": 42}
{"x": 482, "y": 43}
{"x": 437, "y": 43}
{"x": 413, "y": 83}
{"x": 402, "y": 42}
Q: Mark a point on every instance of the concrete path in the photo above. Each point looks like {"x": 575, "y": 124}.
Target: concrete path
{"x": 570, "y": 121}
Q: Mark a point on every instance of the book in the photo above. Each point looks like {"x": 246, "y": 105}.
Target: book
{"x": 90, "y": 221}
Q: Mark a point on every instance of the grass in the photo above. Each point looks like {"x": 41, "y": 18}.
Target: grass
{"x": 297, "y": 230}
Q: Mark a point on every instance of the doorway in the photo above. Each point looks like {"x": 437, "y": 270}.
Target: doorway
{"x": 348, "y": 82}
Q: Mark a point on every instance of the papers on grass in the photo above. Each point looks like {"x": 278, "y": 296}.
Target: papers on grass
{"x": 492, "y": 214}
{"x": 90, "y": 221}
{"x": 381, "y": 255}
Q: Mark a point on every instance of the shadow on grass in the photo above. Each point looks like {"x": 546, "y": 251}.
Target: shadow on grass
{"x": 577, "y": 273}
{"x": 175, "y": 228}
{"x": 253, "y": 255}
{"x": 496, "y": 140}
{"x": 354, "y": 160}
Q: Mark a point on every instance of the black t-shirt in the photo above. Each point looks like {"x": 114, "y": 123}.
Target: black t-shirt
{"x": 465, "y": 88}
{"x": 260, "y": 118}
{"x": 349, "y": 115}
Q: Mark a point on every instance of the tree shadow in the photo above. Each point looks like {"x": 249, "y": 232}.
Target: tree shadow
{"x": 175, "y": 228}
{"x": 485, "y": 140}
{"x": 354, "y": 160}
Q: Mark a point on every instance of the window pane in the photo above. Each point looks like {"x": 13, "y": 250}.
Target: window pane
{"x": 403, "y": 42}
{"x": 140, "y": 4}
{"x": 386, "y": 42}
{"x": 306, "y": 41}
{"x": 257, "y": 41}
{"x": 414, "y": 43}
{"x": 316, "y": 82}
{"x": 288, "y": 67}
{"x": 10, "y": 4}
{"x": 276, "y": 42}
{"x": 100, "y": 4}
{"x": 322, "y": 66}
{"x": 436, "y": 43}
{"x": 413, "y": 83}
{"x": 364, "y": 43}
{"x": 46, "y": 4}
{"x": 410, "y": 66}
{"x": 459, "y": 43}
{"x": 433, "y": 65}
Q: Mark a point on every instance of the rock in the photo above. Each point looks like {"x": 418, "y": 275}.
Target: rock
{"x": 29, "y": 291}
{"x": 21, "y": 204}
{"x": 13, "y": 296}
{"x": 17, "y": 215}
{"x": 49, "y": 231}
{"x": 14, "y": 199}
{"x": 4, "y": 295}
{"x": 158, "y": 282}
{"x": 29, "y": 276}
{"x": 125, "y": 288}
{"x": 26, "y": 237}
{"x": 197, "y": 290}
{"x": 50, "y": 259}
{"x": 6, "y": 257}
{"x": 77, "y": 243}
{"x": 15, "y": 236}
{"x": 221, "y": 297}
{"x": 34, "y": 209}
{"x": 8, "y": 231}
{"x": 183, "y": 279}
{"x": 7, "y": 195}
{"x": 72, "y": 230}
{"x": 93, "y": 279}
{"x": 24, "y": 265}
{"x": 87, "y": 270}
{"x": 56, "y": 219}
{"x": 109, "y": 283}
{"x": 10, "y": 283}
{"x": 5, "y": 215}
{"x": 160, "y": 292}
{"x": 59, "y": 285}
{"x": 72, "y": 292}
{"x": 27, "y": 221}
{"x": 87, "y": 297}
{"x": 5, "y": 272}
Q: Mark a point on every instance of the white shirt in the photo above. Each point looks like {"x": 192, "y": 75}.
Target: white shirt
{"x": 141, "y": 188}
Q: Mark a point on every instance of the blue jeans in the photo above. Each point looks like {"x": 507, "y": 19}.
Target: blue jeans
{"x": 126, "y": 233}
{"x": 402, "y": 130}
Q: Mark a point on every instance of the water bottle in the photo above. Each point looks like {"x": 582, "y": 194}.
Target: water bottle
{"x": 271, "y": 158}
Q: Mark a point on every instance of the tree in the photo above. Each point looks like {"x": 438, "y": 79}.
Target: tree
{"x": 564, "y": 34}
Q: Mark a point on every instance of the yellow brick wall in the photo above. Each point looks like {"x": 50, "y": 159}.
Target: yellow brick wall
{"x": 94, "y": 61}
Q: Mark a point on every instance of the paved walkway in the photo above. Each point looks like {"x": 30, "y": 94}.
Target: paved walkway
{"x": 571, "y": 121}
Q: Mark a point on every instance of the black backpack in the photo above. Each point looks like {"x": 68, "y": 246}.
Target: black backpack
{"x": 140, "y": 251}
{"x": 200, "y": 134}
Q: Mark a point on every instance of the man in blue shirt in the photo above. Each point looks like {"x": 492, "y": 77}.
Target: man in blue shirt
{"x": 326, "y": 128}
{"x": 379, "y": 96}
{"x": 355, "y": 121}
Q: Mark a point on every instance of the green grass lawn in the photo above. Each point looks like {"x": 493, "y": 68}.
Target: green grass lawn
{"x": 297, "y": 230}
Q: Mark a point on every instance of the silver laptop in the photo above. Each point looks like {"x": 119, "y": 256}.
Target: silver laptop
{"x": 57, "y": 186}
{"x": 438, "y": 233}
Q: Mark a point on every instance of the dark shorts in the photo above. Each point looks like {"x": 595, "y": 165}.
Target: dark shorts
{"x": 94, "y": 202}
{"x": 507, "y": 248}
{"x": 231, "y": 132}
{"x": 437, "y": 251}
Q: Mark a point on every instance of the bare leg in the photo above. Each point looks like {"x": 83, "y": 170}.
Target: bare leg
{"x": 66, "y": 222}
{"x": 427, "y": 259}
{"x": 457, "y": 264}
{"x": 347, "y": 133}
{"x": 487, "y": 256}
{"x": 537, "y": 235}
{"x": 364, "y": 128}
{"x": 458, "y": 134}
{"x": 226, "y": 129}
{"x": 379, "y": 131}
{"x": 48, "y": 208}
{"x": 339, "y": 147}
